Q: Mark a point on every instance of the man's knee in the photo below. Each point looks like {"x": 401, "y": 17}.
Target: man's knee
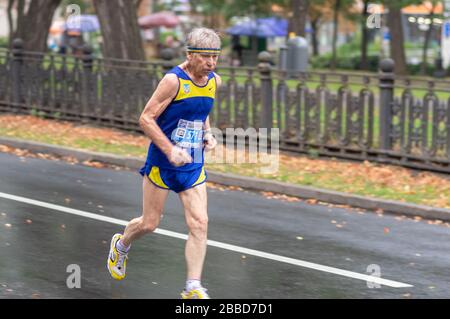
{"x": 198, "y": 226}
{"x": 149, "y": 226}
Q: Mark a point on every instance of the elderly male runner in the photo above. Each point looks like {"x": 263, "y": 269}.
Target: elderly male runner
{"x": 176, "y": 120}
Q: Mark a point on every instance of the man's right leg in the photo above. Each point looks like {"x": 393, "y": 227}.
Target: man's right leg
{"x": 153, "y": 205}
{"x": 153, "y": 200}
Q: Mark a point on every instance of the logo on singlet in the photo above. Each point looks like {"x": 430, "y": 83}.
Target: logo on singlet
{"x": 186, "y": 88}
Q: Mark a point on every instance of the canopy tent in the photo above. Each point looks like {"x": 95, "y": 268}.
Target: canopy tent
{"x": 83, "y": 23}
{"x": 257, "y": 32}
{"x": 159, "y": 19}
{"x": 261, "y": 28}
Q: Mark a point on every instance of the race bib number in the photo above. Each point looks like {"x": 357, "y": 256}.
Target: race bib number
{"x": 188, "y": 134}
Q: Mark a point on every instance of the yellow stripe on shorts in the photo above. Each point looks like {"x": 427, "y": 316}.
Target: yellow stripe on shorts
{"x": 201, "y": 178}
{"x": 155, "y": 177}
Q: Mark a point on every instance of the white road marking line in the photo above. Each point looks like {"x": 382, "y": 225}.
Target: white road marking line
{"x": 257, "y": 253}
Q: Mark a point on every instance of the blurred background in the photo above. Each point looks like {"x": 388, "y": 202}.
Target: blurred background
{"x": 338, "y": 34}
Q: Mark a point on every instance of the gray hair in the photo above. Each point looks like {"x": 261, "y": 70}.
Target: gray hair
{"x": 203, "y": 38}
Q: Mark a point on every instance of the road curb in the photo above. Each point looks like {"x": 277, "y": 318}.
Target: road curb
{"x": 252, "y": 183}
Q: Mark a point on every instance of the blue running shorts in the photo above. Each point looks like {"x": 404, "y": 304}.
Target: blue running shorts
{"x": 175, "y": 180}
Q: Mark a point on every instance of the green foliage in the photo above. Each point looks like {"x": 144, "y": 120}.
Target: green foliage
{"x": 35, "y": 112}
{"x": 163, "y": 35}
{"x": 354, "y": 63}
{"x": 414, "y": 69}
{"x": 233, "y": 8}
{"x": 313, "y": 153}
{"x": 345, "y": 62}
{"x": 226, "y": 42}
{"x": 4, "y": 42}
{"x": 349, "y": 56}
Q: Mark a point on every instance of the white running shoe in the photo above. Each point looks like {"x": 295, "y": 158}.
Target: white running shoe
{"x": 117, "y": 261}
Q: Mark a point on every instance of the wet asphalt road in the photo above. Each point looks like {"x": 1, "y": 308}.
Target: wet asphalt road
{"x": 37, "y": 244}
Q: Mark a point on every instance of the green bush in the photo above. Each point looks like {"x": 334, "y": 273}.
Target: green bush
{"x": 4, "y": 42}
{"x": 354, "y": 63}
{"x": 346, "y": 63}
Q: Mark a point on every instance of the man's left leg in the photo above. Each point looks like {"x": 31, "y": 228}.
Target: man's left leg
{"x": 195, "y": 207}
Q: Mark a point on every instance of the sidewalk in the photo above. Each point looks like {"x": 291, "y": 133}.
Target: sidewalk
{"x": 315, "y": 195}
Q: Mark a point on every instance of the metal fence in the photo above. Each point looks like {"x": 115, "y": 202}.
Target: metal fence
{"x": 358, "y": 116}
{"x": 105, "y": 91}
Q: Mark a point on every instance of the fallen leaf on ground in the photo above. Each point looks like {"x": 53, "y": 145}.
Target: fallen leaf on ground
{"x": 94, "y": 164}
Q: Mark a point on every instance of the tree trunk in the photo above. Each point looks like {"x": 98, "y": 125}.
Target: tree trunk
{"x": 120, "y": 31}
{"x": 337, "y": 6}
{"x": 314, "y": 36}
{"x": 364, "y": 34}
{"x": 156, "y": 31}
{"x": 32, "y": 26}
{"x": 298, "y": 21}
{"x": 137, "y": 3}
{"x": 397, "y": 40}
{"x": 17, "y": 31}
{"x": 423, "y": 67}
{"x": 10, "y": 19}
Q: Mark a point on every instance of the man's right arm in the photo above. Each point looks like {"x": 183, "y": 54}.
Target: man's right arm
{"x": 161, "y": 98}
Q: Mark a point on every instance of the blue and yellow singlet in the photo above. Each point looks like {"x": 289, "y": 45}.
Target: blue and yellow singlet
{"x": 183, "y": 123}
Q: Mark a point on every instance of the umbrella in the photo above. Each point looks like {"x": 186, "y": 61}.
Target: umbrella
{"x": 160, "y": 19}
{"x": 279, "y": 25}
{"x": 263, "y": 28}
{"x": 83, "y": 23}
